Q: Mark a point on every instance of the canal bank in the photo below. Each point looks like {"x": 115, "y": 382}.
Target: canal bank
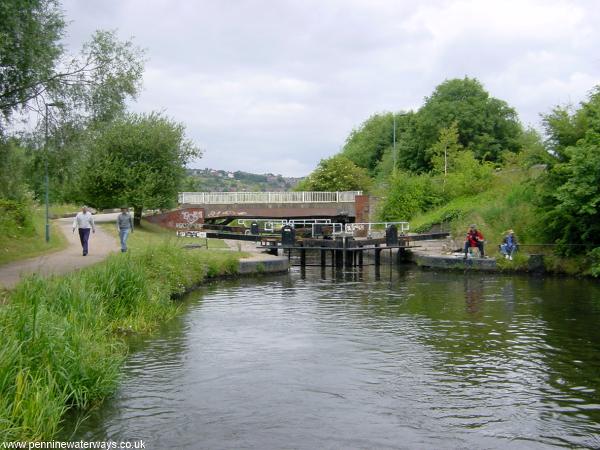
{"x": 442, "y": 254}
{"x": 63, "y": 336}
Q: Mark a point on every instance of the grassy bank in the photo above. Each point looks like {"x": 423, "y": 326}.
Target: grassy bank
{"x": 18, "y": 243}
{"x": 149, "y": 234}
{"x": 62, "y": 342}
{"x": 507, "y": 204}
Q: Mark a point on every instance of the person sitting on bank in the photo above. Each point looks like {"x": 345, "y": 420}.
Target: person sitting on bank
{"x": 474, "y": 239}
{"x": 509, "y": 245}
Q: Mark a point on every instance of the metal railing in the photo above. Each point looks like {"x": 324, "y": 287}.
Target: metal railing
{"x": 232, "y": 198}
{"x": 369, "y": 227}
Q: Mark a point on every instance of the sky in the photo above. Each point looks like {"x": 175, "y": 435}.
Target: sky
{"x": 275, "y": 86}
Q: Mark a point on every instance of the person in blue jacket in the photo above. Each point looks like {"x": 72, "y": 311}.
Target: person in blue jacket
{"x": 509, "y": 245}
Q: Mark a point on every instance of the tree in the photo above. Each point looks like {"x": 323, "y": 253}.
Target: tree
{"x": 92, "y": 98}
{"x": 139, "y": 161}
{"x": 566, "y": 127}
{"x": 575, "y": 215}
{"x": 30, "y": 31}
{"x": 367, "y": 145}
{"x": 337, "y": 173}
{"x": 486, "y": 125}
{"x": 570, "y": 195}
{"x": 35, "y": 71}
{"x": 445, "y": 150}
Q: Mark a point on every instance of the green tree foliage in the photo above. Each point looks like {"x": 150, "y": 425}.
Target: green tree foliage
{"x": 570, "y": 197}
{"x": 407, "y": 195}
{"x": 137, "y": 160}
{"x": 12, "y": 169}
{"x": 445, "y": 151}
{"x": 30, "y": 31}
{"x": 532, "y": 152}
{"x": 487, "y": 126}
{"x": 574, "y": 214}
{"x": 367, "y": 145}
{"x": 102, "y": 78}
{"x": 93, "y": 97}
{"x": 566, "y": 127}
{"x": 468, "y": 176}
{"x": 337, "y": 173}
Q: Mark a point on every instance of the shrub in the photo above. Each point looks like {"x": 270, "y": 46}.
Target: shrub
{"x": 15, "y": 217}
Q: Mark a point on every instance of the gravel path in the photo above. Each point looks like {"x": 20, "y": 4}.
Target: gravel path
{"x": 101, "y": 244}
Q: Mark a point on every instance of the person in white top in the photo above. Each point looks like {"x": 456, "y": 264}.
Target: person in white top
{"x": 84, "y": 221}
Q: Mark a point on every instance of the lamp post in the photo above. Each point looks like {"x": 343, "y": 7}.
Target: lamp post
{"x": 46, "y": 168}
{"x": 394, "y": 149}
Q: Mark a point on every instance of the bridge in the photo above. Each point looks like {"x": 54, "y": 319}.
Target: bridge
{"x": 227, "y": 206}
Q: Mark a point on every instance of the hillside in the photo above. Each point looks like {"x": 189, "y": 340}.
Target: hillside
{"x": 224, "y": 181}
{"x": 508, "y": 203}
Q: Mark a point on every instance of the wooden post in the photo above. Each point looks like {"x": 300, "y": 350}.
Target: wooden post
{"x": 377, "y": 255}
{"x": 339, "y": 258}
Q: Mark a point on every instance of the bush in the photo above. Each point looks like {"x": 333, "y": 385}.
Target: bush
{"x": 407, "y": 196}
{"x": 594, "y": 257}
{"x": 15, "y": 218}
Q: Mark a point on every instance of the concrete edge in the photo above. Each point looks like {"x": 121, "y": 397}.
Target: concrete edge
{"x": 454, "y": 263}
{"x": 262, "y": 264}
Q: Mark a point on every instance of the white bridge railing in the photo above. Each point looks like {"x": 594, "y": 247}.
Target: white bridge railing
{"x": 231, "y": 198}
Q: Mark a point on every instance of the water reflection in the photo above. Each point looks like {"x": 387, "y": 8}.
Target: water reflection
{"x": 356, "y": 359}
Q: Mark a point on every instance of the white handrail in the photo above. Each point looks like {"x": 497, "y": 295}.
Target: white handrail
{"x": 232, "y": 198}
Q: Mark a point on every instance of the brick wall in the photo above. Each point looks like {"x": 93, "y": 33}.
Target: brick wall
{"x": 179, "y": 219}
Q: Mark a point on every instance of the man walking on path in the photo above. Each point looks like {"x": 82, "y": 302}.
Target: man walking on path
{"x": 84, "y": 221}
{"x": 125, "y": 226}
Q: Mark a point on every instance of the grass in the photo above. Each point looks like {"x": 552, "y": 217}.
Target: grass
{"x": 16, "y": 245}
{"x": 63, "y": 209}
{"x": 508, "y": 204}
{"x": 62, "y": 337}
{"x": 148, "y": 234}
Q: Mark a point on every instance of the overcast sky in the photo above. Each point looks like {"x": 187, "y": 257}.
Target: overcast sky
{"x": 274, "y": 86}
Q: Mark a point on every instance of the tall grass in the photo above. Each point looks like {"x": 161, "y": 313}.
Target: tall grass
{"x": 62, "y": 338}
{"x": 19, "y": 241}
{"x": 507, "y": 204}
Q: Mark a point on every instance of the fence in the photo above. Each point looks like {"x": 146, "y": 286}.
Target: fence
{"x": 232, "y": 198}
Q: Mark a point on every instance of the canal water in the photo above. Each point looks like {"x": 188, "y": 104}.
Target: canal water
{"x": 407, "y": 359}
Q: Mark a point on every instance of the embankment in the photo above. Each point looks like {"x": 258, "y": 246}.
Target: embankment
{"x": 62, "y": 337}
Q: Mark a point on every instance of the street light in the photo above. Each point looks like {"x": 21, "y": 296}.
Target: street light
{"x": 46, "y": 167}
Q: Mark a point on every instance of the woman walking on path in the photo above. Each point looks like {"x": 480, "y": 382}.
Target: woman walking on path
{"x": 124, "y": 226}
{"x": 84, "y": 221}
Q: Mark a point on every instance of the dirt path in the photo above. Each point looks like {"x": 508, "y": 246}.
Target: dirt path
{"x": 101, "y": 244}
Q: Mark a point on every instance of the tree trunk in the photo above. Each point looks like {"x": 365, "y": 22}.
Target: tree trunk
{"x": 137, "y": 215}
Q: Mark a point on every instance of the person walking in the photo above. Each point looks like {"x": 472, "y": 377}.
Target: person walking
{"x": 125, "y": 226}
{"x": 84, "y": 221}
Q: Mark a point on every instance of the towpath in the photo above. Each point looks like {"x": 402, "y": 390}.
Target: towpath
{"x": 101, "y": 244}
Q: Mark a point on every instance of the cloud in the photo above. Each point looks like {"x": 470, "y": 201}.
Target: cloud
{"x": 269, "y": 86}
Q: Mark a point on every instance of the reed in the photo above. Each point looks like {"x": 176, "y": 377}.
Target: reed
{"x": 63, "y": 338}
